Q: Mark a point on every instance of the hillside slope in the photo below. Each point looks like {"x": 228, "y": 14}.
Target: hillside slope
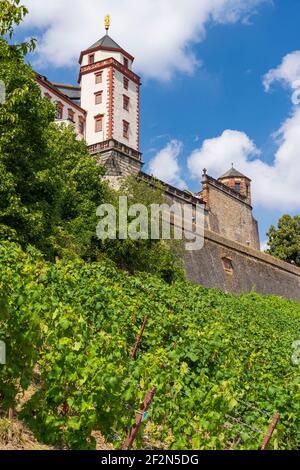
{"x": 221, "y": 363}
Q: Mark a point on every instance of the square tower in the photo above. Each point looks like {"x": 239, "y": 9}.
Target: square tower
{"x": 110, "y": 93}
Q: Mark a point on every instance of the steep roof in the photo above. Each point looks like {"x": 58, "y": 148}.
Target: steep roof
{"x": 59, "y": 91}
{"x": 106, "y": 41}
{"x": 72, "y": 92}
{"x": 233, "y": 173}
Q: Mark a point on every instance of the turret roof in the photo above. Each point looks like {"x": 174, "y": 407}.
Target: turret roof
{"x": 233, "y": 173}
{"x": 107, "y": 42}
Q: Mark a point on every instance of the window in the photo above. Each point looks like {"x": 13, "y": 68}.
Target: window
{"x": 227, "y": 264}
{"x": 59, "y": 110}
{"x": 126, "y": 83}
{"x": 91, "y": 58}
{"x": 126, "y": 102}
{"x": 71, "y": 115}
{"x": 126, "y": 63}
{"x": 237, "y": 187}
{"x": 98, "y": 77}
{"x": 48, "y": 96}
{"x": 98, "y": 97}
{"x": 126, "y": 129}
{"x": 98, "y": 123}
{"x": 81, "y": 125}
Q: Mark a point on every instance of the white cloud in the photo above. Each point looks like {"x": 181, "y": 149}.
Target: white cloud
{"x": 165, "y": 164}
{"x": 275, "y": 185}
{"x": 288, "y": 72}
{"x": 160, "y": 33}
{"x": 218, "y": 153}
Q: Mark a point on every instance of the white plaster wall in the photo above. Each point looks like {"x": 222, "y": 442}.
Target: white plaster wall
{"x": 102, "y": 55}
{"x": 121, "y": 114}
{"x": 54, "y": 98}
{"x": 88, "y": 90}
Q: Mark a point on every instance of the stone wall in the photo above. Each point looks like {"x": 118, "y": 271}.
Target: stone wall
{"x": 118, "y": 164}
{"x": 119, "y": 160}
{"x": 232, "y": 267}
{"x": 230, "y": 215}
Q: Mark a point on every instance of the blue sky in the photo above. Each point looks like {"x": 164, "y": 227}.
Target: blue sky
{"x": 224, "y": 92}
{"x": 227, "y": 91}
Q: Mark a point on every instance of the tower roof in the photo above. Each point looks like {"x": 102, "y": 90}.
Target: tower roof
{"x": 233, "y": 173}
{"x": 106, "y": 42}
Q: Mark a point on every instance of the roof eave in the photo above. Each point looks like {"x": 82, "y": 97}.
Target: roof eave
{"x": 103, "y": 48}
{"x": 44, "y": 81}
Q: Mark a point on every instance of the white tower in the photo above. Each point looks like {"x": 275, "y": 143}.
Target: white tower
{"x": 110, "y": 93}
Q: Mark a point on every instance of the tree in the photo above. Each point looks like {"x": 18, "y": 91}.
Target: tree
{"x": 80, "y": 189}
{"x": 160, "y": 257}
{"x": 50, "y": 186}
{"x": 284, "y": 241}
{"x": 11, "y": 14}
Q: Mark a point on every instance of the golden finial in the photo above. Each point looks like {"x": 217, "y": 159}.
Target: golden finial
{"x": 107, "y": 23}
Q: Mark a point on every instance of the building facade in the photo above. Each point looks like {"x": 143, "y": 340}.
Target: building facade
{"x": 105, "y": 110}
{"x": 68, "y": 112}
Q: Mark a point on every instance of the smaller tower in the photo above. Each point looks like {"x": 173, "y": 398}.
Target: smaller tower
{"x": 238, "y": 182}
{"x": 228, "y": 207}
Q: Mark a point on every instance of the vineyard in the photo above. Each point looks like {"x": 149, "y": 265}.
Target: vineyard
{"x": 221, "y": 364}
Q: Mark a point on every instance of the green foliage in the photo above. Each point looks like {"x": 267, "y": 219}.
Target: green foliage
{"x": 74, "y": 187}
{"x": 217, "y": 360}
{"x": 12, "y": 13}
{"x": 160, "y": 257}
{"x": 284, "y": 241}
{"x": 20, "y": 325}
{"x": 50, "y": 187}
{"x": 213, "y": 357}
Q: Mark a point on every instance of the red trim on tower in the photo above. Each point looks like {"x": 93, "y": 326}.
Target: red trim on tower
{"x": 98, "y": 66}
{"x": 110, "y": 104}
{"x": 138, "y": 119}
{"x": 103, "y": 48}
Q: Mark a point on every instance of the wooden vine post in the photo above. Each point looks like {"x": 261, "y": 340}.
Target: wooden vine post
{"x": 270, "y": 431}
{"x": 10, "y": 418}
{"x": 139, "y": 419}
{"x": 138, "y": 339}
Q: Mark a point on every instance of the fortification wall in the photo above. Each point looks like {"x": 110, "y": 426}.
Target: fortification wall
{"x": 231, "y": 266}
{"x": 251, "y": 269}
{"x": 230, "y": 215}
